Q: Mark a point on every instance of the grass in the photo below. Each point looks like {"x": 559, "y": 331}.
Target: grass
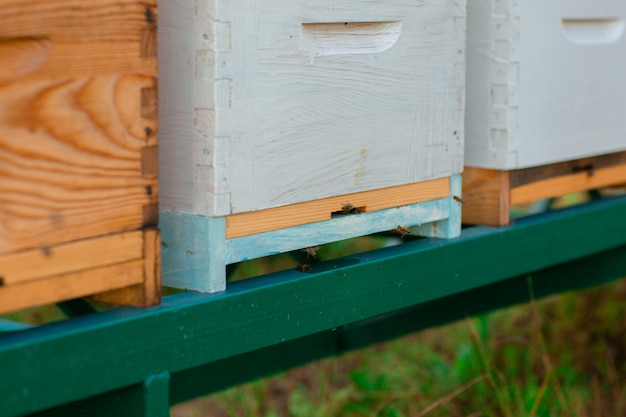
{"x": 563, "y": 356}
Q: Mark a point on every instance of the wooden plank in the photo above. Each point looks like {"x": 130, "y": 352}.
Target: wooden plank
{"x": 244, "y": 224}
{"x": 71, "y": 285}
{"x": 338, "y": 228}
{"x": 23, "y": 55}
{"x": 69, "y": 257}
{"x": 194, "y": 252}
{"x": 558, "y": 186}
{"x": 486, "y": 196}
{"x": 77, "y": 109}
{"x": 589, "y": 165}
{"x": 67, "y": 39}
{"x": 71, "y": 161}
{"x": 148, "y": 292}
{"x": 450, "y": 226}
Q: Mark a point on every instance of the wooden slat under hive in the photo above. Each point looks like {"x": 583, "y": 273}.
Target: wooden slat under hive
{"x": 244, "y": 224}
{"x": 196, "y": 249}
{"x": 489, "y": 193}
{"x": 119, "y": 269}
{"x": 78, "y": 149}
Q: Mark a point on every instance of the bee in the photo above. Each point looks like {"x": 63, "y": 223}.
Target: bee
{"x": 585, "y": 168}
{"x": 459, "y": 199}
{"x": 348, "y": 208}
{"x": 303, "y": 267}
{"x": 311, "y": 252}
{"x": 403, "y": 231}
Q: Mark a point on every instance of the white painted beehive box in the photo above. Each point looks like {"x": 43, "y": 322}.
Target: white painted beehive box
{"x": 274, "y": 114}
{"x": 545, "y": 81}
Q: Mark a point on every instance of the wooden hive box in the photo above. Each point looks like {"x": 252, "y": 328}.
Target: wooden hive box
{"x": 545, "y": 103}
{"x": 78, "y": 155}
{"x": 276, "y": 114}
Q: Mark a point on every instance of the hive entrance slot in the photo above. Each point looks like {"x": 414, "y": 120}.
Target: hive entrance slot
{"x": 347, "y": 209}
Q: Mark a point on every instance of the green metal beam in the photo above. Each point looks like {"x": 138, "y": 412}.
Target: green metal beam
{"x": 150, "y": 399}
{"x": 219, "y": 375}
{"x": 86, "y": 356}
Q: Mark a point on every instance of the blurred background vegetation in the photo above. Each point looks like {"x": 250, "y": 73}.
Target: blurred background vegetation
{"x": 562, "y": 356}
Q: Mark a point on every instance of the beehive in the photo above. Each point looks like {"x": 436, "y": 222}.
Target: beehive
{"x": 544, "y": 82}
{"x": 78, "y": 156}
{"x": 276, "y": 114}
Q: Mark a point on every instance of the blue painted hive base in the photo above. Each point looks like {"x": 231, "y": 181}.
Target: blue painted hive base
{"x": 195, "y": 250}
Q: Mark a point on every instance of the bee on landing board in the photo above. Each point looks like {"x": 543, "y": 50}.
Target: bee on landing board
{"x": 303, "y": 267}
{"x": 403, "y": 231}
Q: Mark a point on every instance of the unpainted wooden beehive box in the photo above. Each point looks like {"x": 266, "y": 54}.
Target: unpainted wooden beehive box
{"x": 275, "y": 114}
{"x": 78, "y": 155}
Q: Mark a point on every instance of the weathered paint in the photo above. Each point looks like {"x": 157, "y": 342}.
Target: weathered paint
{"x": 264, "y": 104}
{"x": 195, "y": 251}
{"x": 544, "y": 81}
{"x": 338, "y": 228}
{"x": 450, "y": 227}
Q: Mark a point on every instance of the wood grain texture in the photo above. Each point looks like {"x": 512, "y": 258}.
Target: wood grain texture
{"x": 69, "y": 286}
{"x": 22, "y": 55}
{"x": 96, "y": 38}
{"x": 77, "y": 109}
{"x": 587, "y": 165}
{"x": 120, "y": 269}
{"x": 35, "y": 264}
{"x": 561, "y": 185}
{"x": 148, "y": 292}
{"x": 487, "y": 196}
{"x": 292, "y": 101}
{"x": 512, "y": 120}
{"x": 243, "y": 224}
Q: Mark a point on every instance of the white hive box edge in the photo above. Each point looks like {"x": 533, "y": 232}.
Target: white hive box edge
{"x": 545, "y": 81}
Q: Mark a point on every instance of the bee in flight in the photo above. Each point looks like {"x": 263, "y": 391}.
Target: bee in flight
{"x": 311, "y": 251}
